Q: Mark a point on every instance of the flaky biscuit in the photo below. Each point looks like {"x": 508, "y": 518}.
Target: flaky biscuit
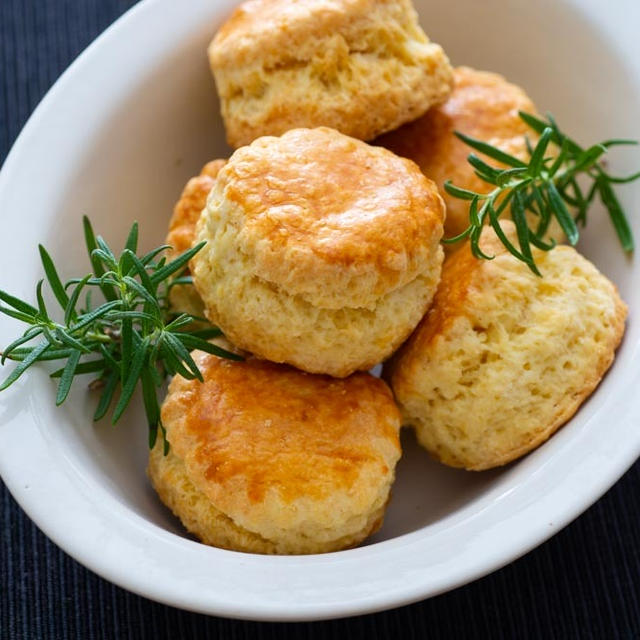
{"x": 360, "y": 66}
{"x": 483, "y": 105}
{"x": 182, "y": 229}
{"x": 267, "y": 459}
{"x": 504, "y": 357}
{"x": 187, "y": 210}
{"x": 322, "y": 251}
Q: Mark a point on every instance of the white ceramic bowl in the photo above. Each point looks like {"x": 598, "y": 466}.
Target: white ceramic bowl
{"x": 116, "y": 138}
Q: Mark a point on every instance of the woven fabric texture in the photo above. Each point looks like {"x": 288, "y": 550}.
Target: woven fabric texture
{"x": 584, "y": 583}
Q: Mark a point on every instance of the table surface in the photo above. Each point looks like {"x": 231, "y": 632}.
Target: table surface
{"x": 583, "y": 583}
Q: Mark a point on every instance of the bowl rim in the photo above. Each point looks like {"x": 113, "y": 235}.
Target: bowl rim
{"x": 101, "y": 534}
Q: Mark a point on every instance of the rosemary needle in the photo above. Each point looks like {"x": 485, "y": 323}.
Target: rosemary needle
{"x": 560, "y": 185}
{"x": 132, "y": 339}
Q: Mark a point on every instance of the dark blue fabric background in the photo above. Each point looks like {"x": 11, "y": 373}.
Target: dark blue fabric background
{"x": 584, "y": 583}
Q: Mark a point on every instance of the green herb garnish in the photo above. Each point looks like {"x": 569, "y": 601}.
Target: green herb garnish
{"x": 131, "y": 339}
{"x": 561, "y": 185}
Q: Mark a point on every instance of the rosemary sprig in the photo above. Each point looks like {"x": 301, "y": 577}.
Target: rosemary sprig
{"x": 560, "y": 186}
{"x": 131, "y": 339}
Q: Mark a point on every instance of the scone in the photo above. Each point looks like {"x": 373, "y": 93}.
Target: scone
{"x": 360, "y": 66}
{"x": 504, "y": 357}
{"x": 322, "y": 251}
{"x": 182, "y": 228}
{"x": 483, "y": 105}
{"x": 189, "y": 207}
{"x": 267, "y": 459}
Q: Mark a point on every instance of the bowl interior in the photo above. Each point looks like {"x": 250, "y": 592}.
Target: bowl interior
{"x": 136, "y": 162}
{"x": 143, "y": 144}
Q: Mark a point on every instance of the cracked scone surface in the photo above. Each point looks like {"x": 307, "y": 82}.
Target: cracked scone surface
{"x": 322, "y": 251}
{"x": 268, "y": 459}
{"x": 504, "y": 357}
{"x": 360, "y": 66}
{"x": 483, "y": 105}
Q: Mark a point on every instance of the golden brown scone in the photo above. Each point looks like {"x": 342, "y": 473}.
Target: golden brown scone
{"x": 504, "y": 357}
{"x": 322, "y": 251}
{"x": 483, "y": 105}
{"x": 360, "y": 66}
{"x": 182, "y": 231}
{"x": 267, "y": 459}
{"x": 189, "y": 207}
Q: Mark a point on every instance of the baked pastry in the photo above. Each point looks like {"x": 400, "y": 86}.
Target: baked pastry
{"x": 189, "y": 207}
{"x": 360, "y": 66}
{"x": 483, "y": 105}
{"x": 322, "y": 251}
{"x": 267, "y": 459}
{"x": 182, "y": 232}
{"x": 504, "y": 357}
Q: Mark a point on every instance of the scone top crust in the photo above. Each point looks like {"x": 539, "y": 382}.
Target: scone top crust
{"x": 250, "y": 32}
{"x": 273, "y": 447}
{"x": 328, "y": 217}
{"x": 482, "y": 105}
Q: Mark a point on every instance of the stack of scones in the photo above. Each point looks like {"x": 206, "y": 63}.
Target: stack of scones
{"x": 323, "y": 259}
